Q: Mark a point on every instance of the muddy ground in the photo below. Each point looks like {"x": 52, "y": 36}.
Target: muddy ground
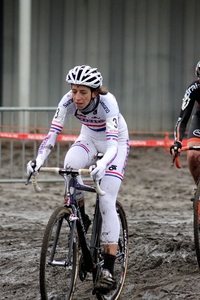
{"x": 156, "y": 197}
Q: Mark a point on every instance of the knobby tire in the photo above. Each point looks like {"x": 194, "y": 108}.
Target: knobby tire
{"x": 58, "y": 282}
{"x": 196, "y": 222}
{"x": 121, "y": 263}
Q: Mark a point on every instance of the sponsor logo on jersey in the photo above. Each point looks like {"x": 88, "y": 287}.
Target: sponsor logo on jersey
{"x": 107, "y": 110}
{"x": 185, "y": 102}
{"x": 186, "y": 98}
{"x": 190, "y": 90}
{"x": 44, "y": 144}
{"x": 66, "y": 104}
{"x": 196, "y": 132}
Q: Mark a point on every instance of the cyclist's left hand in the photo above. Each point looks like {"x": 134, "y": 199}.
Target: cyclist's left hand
{"x": 33, "y": 167}
{"x": 176, "y": 148}
{"x": 99, "y": 171}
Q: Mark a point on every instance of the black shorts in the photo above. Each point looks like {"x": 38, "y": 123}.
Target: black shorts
{"x": 194, "y": 129}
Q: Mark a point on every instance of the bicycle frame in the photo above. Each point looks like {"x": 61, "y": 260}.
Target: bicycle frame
{"x": 64, "y": 258}
{"x": 77, "y": 222}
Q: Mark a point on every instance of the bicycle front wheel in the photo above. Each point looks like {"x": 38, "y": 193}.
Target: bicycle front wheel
{"x": 121, "y": 262}
{"x": 196, "y": 222}
{"x": 58, "y": 260}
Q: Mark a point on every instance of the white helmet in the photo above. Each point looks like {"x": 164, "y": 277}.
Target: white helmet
{"x": 197, "y": 70}
{"x": 85, "y": 75}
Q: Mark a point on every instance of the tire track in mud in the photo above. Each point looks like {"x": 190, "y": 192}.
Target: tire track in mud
{"x": 156, "y": 198}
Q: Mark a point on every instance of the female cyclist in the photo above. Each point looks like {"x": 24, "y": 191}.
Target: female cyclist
{"x": 103, "y": 130}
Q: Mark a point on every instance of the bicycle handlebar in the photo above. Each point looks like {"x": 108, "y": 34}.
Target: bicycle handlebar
{"x": 67, "y": 172}
{"x": 185, "y": 148}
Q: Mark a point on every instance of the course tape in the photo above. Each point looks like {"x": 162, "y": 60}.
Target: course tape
{"x": 34, "y": 136}
{"x": 166, "y": 143}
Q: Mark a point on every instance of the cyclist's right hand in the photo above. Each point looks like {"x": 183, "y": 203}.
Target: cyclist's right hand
{"x": 33, "y": 167}
{"x": 176, "y": 148}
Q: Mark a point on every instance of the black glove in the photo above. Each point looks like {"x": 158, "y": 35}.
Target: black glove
{"x": 176, "y": 146}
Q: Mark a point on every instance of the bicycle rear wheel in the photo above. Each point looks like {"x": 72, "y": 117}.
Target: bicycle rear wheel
{"x": 58, "y": 268}
{"x": 121, "y": 263}
{"x": 196, "y": 222}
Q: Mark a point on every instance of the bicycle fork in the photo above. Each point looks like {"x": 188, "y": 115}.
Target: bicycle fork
{"x": 64, "y": 263}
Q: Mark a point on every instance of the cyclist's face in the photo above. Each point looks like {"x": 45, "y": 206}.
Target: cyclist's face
{"x": 82, "y": 95}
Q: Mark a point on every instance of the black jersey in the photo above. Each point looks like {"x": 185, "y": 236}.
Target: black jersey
{"x": 192, "y": 95}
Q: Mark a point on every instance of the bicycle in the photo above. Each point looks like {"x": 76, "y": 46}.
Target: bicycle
{"x": 196, "y": 204}
{"x": 60, "y": 265}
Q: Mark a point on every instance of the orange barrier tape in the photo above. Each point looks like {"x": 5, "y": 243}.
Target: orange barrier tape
{"x": 166, "y": 142}
{"x": 147, "y": 143}
{"x": 35, "y": 136}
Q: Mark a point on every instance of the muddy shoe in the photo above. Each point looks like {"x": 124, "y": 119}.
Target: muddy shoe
{"x": 106, "y": 283}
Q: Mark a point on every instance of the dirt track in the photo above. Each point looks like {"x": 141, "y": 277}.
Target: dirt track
{"x": 156, "y": 197}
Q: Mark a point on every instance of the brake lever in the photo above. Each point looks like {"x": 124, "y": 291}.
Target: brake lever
{"x": 173, "y": 160}
{"x": 28, "y": 179}
{"x": 33, "y": 165}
